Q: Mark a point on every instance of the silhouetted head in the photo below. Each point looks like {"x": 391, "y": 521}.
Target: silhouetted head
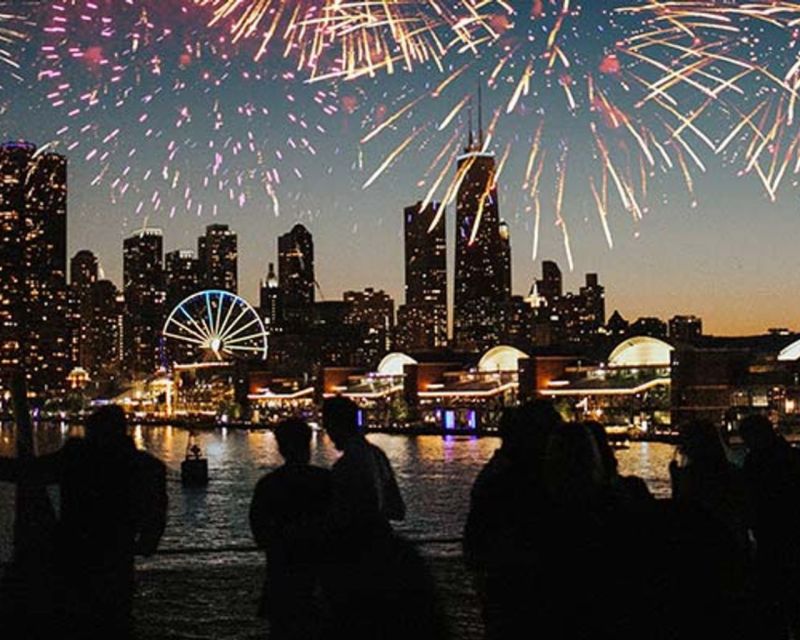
{"x": 607, "y": 457}
{"x": 294, "y": 440}
{"x": 340, "y": 419}
{"x": 106, "y": 424}
{"x": 528, "y": 430}
{"x": 757, "y": 432}
{"x": 573, "y": 469}
{"x": 701, "y": 443}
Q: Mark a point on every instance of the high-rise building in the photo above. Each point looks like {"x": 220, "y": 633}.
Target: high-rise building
{"x": 145, "y": 296}
{"x": 422, "y": 320}
{"x": 182, "y": 274}
{"x": 685, "y": 328}
{"x": 550, "y": 287}
{"x": 296, "y": 272}
{"x": 34, "y": 314}
{"x": 218, "y": 260}
{"x": 104, "y": 352}
{"x": 83, "y": 269}
{"x": 593, "y": 308}
{"x": 373, "y": 311}
{"x": 270, "y": 300}
{"x": 482, "y": 253}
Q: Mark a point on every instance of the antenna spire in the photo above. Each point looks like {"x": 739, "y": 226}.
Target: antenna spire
{"x": 480, "y": 114}
{"x": 471, "y": 139}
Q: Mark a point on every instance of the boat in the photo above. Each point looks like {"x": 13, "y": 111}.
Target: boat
{"x": 194, "y": 468}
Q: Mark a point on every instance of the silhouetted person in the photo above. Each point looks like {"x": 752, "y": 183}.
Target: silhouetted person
{"x": 376, "y": 584}
{"x": 507, "y": 502}
{"x": 703, "y": 478}
{"x": 629, "y": 488}
{"x": 287, "y": 516}
{"x": 365, "y": 492}
{"x": 772, "y": 484}
{"x": 112, "y": 507}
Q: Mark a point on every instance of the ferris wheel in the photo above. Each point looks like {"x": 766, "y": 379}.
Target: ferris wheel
{"x": 216, "y": 325}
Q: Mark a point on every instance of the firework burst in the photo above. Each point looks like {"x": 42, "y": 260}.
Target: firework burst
{"x": 330, "y": 38}
{"x": 610, "y": 100}
{"x": 155, "y": 105}
{"x": 761, "y": 41}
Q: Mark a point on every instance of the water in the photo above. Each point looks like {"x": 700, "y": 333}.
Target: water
{"x": 183, "y": 593}
{"x": 435, "y": 475}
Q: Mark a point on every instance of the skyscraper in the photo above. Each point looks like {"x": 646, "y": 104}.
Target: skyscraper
{"x": 550, "y": 287}
{"x": 270, "y": 299}
{"x": 422, "y": 320}
{"x": 83, "y": 270}
{"x": 182, "y": 273}
{"x": 34, "y": 328}
{"x": 145, "y": 295}
{"x": 104, "y": 351}
{"x": 296, "y": 272}
{"x": 373, "y": 312}
{"x": 218, "y": 261}
{"x": 593, "y": 308}
{"x": 483, "y": 264}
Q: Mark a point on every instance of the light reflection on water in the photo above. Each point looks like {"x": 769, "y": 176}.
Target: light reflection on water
{"x": 435, "y": 474}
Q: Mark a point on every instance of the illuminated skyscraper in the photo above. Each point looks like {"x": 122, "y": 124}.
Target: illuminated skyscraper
{"x": 422, "y": 320}
{"x": 34, "y": 327}
{"x": 145, "y": 296}
{"x": 550, "y": 287}
{"x": 218, "y": 260}
{"x": 270, "y": 300}
{"x": 105, "y": 314}
{"x": 182, "y": 273}
{"x": 483, "y": 259}
{"x": 373, "y": 312}
{"x": 83, "y": 270}
{"x": 296, "y": 272}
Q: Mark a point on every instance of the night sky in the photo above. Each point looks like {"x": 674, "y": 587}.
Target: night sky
{"x": 167, "y": 122}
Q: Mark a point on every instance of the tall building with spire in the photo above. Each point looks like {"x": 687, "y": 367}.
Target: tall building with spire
{"x": 482, "y": 282}
{"x": 34, "y": 327}
{"x": 270, "y": 300}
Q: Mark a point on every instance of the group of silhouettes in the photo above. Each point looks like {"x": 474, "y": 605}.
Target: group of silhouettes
{"x": 559, "y": 543}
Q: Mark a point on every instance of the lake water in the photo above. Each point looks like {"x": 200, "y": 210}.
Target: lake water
{"x": 435, "y": 474}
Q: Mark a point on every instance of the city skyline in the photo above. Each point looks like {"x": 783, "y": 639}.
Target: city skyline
{"x": 217, "y": 136}
{"x": 336, "y": 271}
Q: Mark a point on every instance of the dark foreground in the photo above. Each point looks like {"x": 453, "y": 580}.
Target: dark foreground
{"x": 207, "y": 599}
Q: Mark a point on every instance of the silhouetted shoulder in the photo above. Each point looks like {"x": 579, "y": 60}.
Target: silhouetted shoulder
{"x": 149, "y": 464}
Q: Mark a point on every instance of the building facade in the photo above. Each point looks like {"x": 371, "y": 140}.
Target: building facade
{"x": 34, "y": 301}
{"x": 218, "y": 258}
{"x": 482, "y": 253}
{"x": 145, "y": 300}
{"x": 296, "y": 273}
{"x": 422, "y": 320}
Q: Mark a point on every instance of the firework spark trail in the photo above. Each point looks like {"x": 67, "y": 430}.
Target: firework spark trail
{"x": 335, "y": 39}
{"x": 761, "y": 38}
{"x": 105, "y": 62}
{"x": 637, "y": 103}
{"x": 13, "y": 33}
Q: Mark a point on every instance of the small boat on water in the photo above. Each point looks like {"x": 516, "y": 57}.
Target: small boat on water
{"x": 194, "y": 468}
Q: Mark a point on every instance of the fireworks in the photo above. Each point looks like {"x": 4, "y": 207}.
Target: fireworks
{"x": 12, "y": 34}
{"x": 150, "y": 101}
{"x": 608, "y": 99}
{"x": 762, "y": 40}
{"x": 334, "y": 39}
